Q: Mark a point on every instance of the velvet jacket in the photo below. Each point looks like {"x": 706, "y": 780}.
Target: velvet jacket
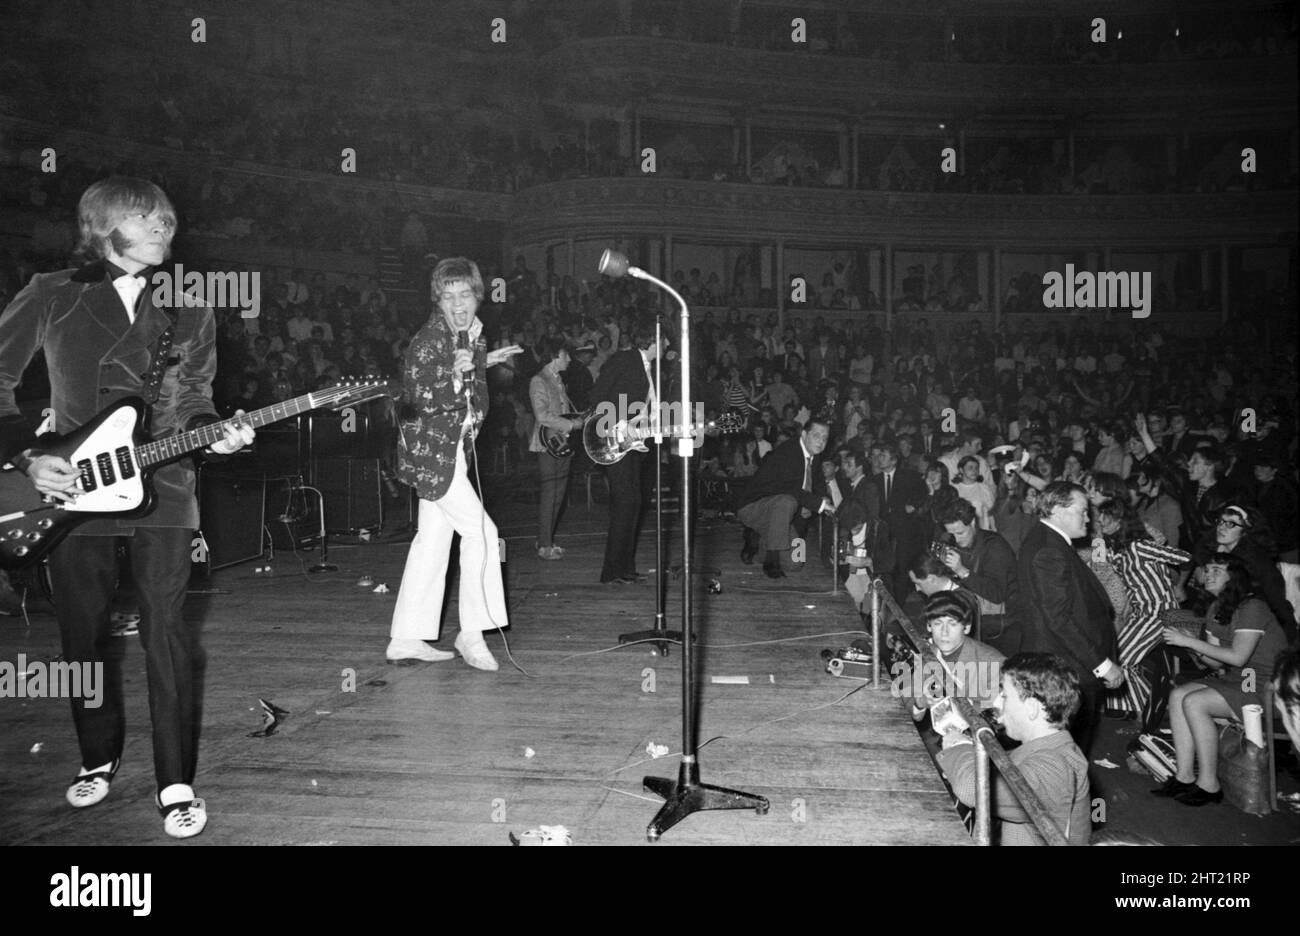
{"x": 434, "y": 411}
{"x": 96, "y": 356}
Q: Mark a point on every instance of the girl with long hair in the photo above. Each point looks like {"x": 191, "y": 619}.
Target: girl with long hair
{"x": 1240, "y": 633}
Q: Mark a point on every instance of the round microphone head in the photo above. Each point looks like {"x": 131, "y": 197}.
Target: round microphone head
{"x": 612, "y": 263}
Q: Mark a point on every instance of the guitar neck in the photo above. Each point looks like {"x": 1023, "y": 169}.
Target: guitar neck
{"x": 182, "y": 443}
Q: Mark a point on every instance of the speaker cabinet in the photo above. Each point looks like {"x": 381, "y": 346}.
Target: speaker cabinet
{"x": 353, "y": 493}
{"x": 282, "y": 448}
{"x": 232, "y": 511}
{"x": 352, "y": 432}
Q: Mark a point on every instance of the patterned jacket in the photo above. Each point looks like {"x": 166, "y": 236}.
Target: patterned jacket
{"x": 434, "y": 417}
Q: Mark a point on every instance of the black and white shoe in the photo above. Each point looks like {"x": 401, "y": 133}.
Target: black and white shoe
{"x": 91, "y": 788}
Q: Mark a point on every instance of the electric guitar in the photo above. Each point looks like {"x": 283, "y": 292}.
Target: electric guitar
{"x": 607, "y": 442}
{"x": 561, "y": 442}
{"x": 116, "y": 457}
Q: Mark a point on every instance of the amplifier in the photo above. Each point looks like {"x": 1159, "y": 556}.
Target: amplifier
{"x": 231, "y": 515}
{"x": 354, "y": 431}
{"x": 353, "y": 493}
{"x": 281, "y": 448}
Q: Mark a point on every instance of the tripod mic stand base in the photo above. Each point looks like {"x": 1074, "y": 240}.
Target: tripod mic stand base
{"x": 322, "y": 567}
{"x": 687, "y": 795}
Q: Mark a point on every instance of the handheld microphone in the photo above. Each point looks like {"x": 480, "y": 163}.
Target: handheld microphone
{"x": 467, "y": 377}
{"x": 462, "y": 344}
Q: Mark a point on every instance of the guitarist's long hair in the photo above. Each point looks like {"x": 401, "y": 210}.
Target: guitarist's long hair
{"x": 107, "y": 202}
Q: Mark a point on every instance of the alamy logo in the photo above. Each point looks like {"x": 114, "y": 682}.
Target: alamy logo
{"x": 968, "y": 680}
{"x": 57, "y": 680}
{"x": 634, "y": 420}
{"x": 76, "y": 889}
{"x": 175, "y": 289}
{"x": 1105, "y": 290}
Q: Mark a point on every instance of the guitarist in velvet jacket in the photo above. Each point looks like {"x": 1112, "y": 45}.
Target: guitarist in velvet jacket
{"x": 99, "y": 327}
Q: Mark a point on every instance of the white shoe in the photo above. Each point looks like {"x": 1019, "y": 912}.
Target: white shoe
{"x": 91, "y": 788}
{"x": 409, "y": 651}
{"x": 186, "y": 818}
{"x": 476, "y": 653}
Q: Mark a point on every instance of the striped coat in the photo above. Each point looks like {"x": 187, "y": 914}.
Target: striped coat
{"x": 1146, "y": 569}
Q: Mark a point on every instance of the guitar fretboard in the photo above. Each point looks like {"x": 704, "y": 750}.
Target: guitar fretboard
{"x": 176, "y": 446}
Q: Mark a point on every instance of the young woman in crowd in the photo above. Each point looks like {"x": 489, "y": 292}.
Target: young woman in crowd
{"x": 1240, "y": 633}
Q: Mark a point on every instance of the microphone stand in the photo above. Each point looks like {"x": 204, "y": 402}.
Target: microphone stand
{"x": 663, "y": 637}
{"x": 686, "y": 794}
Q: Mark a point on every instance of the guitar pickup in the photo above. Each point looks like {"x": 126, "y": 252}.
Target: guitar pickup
{"x": 105, "y": 462}
{"x": 88, "y": 482}
{"x": 125, "y": 467}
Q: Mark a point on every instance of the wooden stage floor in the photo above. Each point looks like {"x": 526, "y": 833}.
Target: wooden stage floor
{"x": 444, "y": 754}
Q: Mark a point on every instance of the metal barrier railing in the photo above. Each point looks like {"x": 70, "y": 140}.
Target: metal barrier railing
{"x": 987, "y": 746}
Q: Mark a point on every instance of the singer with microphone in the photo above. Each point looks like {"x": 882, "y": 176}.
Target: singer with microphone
{"x": 444, "y": 400}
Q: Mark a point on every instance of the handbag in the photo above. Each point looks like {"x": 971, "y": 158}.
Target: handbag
{"x": 1243, "y": 771}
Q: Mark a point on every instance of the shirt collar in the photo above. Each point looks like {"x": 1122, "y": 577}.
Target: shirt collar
{"x": 1059, "y": 531}
{"x": 115, "y": 272}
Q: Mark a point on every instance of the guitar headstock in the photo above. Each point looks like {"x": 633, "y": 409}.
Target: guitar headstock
{"x": 727, "y": 424}
{"x": 356, "y": 391}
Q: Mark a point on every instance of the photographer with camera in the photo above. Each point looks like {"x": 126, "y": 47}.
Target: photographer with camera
{"x": 985, "y": 565}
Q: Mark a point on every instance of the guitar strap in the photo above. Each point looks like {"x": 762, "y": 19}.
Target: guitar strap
{"x": 161, "y": 360}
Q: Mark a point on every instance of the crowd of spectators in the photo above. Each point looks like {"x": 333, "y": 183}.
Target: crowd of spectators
{"x": 228, "y": 117}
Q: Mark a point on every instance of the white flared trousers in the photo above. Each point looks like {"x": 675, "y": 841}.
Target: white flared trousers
{"x": 418, "y": 615}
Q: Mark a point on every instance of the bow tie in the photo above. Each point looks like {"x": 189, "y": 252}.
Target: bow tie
{"x": 130, "y": 285}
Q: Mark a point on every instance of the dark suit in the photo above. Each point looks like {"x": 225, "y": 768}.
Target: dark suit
{"x": 1065, "y": 612}
{"x": 1277, "y": 502}
{"x": 621, "y": 386}
{"x": 775, "y": 494}
{"x": 910, "y": 529}
{"x": 824, "y": 363}
{"x": 861, "y": 504}
{"x": 96, "y": 357}
{"x": 994, "y": 580}
{"x": 578, "y": 384}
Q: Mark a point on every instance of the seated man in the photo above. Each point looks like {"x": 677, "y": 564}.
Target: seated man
{"x": 984, "y": 563}
{"x": 970, "y": 670}
{"x": 785, "y": 492}
{"x": 1040, "y": 693}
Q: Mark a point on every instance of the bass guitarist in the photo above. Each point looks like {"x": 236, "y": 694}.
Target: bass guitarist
{"x": 100, "y": 327}
{"x": 550, "y": 405}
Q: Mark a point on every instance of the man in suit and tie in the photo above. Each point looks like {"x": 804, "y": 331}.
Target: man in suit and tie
{"x": 926, "y": 441}
{"x": 823, "y": 359}
{"x": 1065, "y": 610}
{"x": 106, "y": 336}
{"x": 788, "y": 488}
{"x": 861, "y": 499}
{"x": 624, "y": 393}
{"x": 861, "y": 526}
{"x": 902, "y": 499}
{"x": 790, "y": 360}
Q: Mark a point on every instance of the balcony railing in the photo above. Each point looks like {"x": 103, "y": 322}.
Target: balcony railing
{"x": 744, "y": 213}
{"x": 855, "y": 84}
